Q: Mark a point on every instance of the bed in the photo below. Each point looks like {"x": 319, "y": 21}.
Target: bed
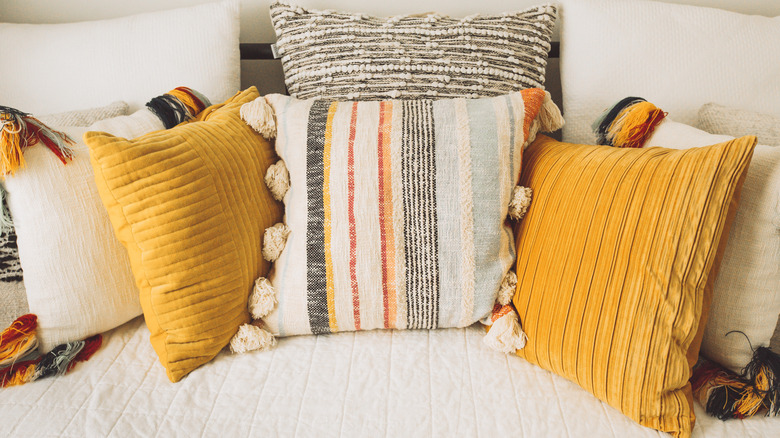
{"x": 414, "y": 383}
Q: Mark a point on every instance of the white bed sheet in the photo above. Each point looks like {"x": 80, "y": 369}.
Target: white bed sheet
{"x": 398, "y": 384}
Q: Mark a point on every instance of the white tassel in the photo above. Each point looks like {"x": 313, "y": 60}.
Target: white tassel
{"x": 274, "y": 239}
{"x": 532, "y": 131}
{"x": 263, "y": 298}
{"x": 277, "y": 178}
{"x": 521, "y": 200}
{"x": 505, "y": 335}
{"x": 507, "y": 290}
{"x": 550, "y": 117}
{"x": 260, "y": 116}
{"x": 250, "y": 338}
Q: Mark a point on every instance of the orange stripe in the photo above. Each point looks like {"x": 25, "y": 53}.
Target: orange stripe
{"x": 533, "y": 99}
{"x": 334, "y": 327}
{"x": 386, "y": 214}
{"x": 351, "y": 212}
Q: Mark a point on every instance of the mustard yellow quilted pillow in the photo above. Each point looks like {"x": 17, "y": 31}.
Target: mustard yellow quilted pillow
{"x": 616, "y": 259}
{"x": 191, "y": 207}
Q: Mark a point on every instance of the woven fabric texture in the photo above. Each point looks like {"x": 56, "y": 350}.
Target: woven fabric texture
{"x": 396, "y": 210}
{"x": 719, "y": 119}
{"x": 614, "y": 262}
{"x": 347, "y": 56}
{"x": 85, "y": 117}
{"x": 746, "y": 295}
{"x": 190, "y": 206}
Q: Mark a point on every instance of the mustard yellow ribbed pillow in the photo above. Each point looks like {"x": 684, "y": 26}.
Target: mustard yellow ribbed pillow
{"x": 191, "y": 207}
{"x": 615, "y": 263}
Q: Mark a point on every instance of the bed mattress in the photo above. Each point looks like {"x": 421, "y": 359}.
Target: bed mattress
{"x": 382, "y": 383}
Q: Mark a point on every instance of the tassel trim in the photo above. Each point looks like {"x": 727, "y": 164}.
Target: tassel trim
{"x": 628, "y": 124}
{"x": 726, "y": 394}
{"x": 251, "y": 338}
{"x": 277, "y": 178}
{"x": 505, "y": 334}
{"x": 22, "y": 365}
{"x": 259, "y": 115}
{"x": 274, "y": 240}
{"x": 550, "y": 117}
{"x": 19, "y": 130}
{"x": 263, "y": 298}
{"x": 521, "y": 200}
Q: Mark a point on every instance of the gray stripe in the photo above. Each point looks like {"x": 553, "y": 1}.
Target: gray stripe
{"x": 316, "y": 275}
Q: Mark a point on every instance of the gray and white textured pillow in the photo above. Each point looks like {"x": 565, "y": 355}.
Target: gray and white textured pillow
{"x": 346, "y": 56}
{"x": 13, "y": 296}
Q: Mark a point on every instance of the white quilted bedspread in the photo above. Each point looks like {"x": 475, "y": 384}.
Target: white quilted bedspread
{"x": 398, "y": 384}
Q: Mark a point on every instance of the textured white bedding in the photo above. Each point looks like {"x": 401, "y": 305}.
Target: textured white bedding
{"x": 381, "y": 383}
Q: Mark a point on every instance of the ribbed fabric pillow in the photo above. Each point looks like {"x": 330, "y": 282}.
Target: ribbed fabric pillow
{"x": 348, "y": 56}
{"x": 190, "y": 206}
{"x": 747, "y": 290}
{"x": 719, "y": 119}
{"x": 396, "y": 210}
{"x": 615, "y": 263}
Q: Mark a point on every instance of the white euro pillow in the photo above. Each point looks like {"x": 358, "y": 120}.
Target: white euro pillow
{"x": 676, "y": 56}
{"x": 49, "y": 68}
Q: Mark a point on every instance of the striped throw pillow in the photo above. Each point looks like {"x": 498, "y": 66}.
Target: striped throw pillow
{"x": 396, "y": 210}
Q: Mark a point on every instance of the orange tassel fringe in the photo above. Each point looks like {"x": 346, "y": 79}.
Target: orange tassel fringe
{"x": 20, "y": 362}
{"x": 19, "y": 130}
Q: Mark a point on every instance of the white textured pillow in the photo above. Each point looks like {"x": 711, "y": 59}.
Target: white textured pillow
{"x": 76, "y": 272}
{"x": 746, "y": 297}
{"x": 55, "y": 67}
{"x": 13, "y": 296}
{"x": 676, "y": 56}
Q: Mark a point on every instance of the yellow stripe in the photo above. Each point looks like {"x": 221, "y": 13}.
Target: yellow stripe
{"x": 326, "y": 204}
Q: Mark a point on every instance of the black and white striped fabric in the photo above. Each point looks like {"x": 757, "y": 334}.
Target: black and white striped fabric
{"x": 10, "y": 269}
{"x": 347, "y": 56}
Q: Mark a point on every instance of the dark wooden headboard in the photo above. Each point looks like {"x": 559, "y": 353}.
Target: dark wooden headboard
{"x": 262, "y": 51}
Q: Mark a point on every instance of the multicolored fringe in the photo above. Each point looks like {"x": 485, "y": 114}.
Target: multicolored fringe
{"x": 728, "y": 395}
{"x": 21, "y": 363}
{"x": 628, "y": 123}
{"x": 178, "y": 105}
{"x": 20, "y": 130}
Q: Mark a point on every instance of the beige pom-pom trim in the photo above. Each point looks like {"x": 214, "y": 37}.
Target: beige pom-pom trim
{"x": 507, "y": 290}
{"x": 521, "y": 200}
{"x": 505, "y": 335}
{"x": 274, "y": 240}
{"x": 550, "y": 118}
{"x": 277, "y": 178}
{"x": 260, "y": 116}
{"x": 263, "y": 298}
{"x": 250, "y": 338}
